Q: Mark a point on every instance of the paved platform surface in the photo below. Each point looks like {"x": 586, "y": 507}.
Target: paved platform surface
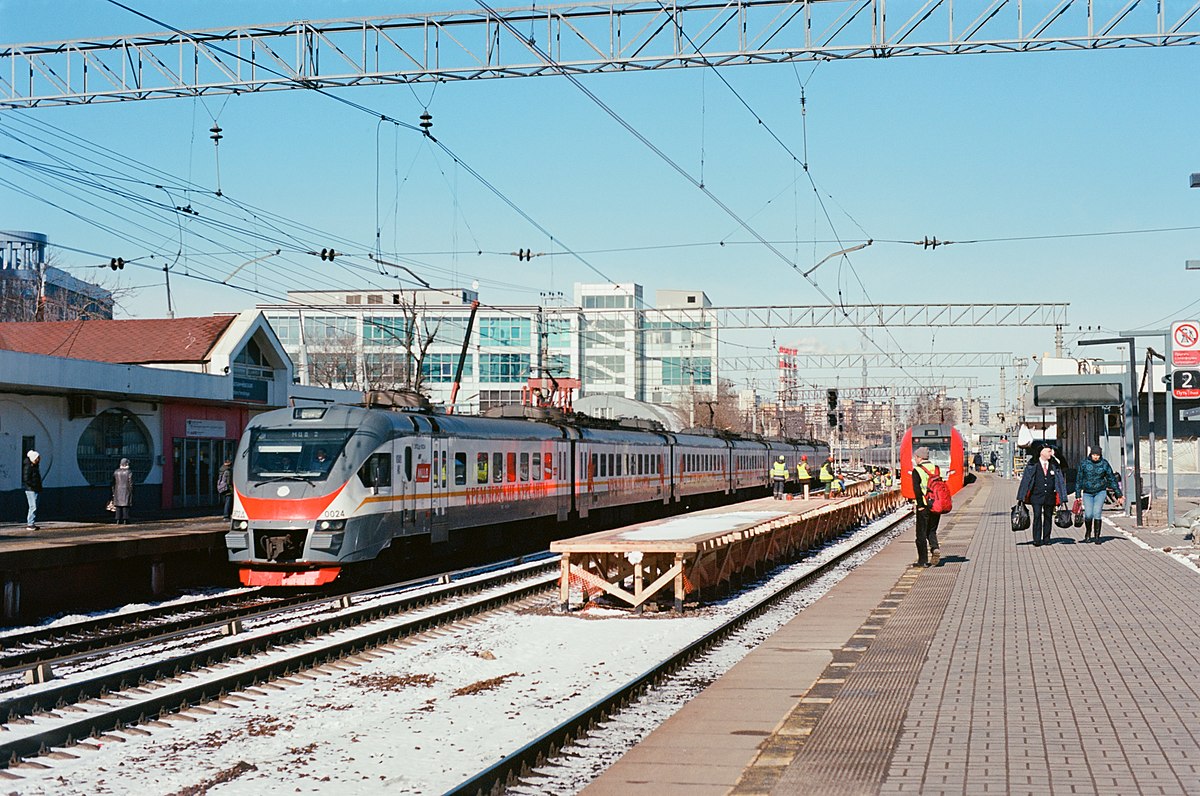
{"x": 1068, "y": 668}
{"x": 57, "y": 544}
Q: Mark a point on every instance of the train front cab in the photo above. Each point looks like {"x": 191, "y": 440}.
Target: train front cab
{"x": 945, "y": 450}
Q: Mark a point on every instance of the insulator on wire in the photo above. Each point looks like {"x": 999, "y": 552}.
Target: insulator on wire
{"x": 216, "y": 134}
{"x": 426, "y": 121}
{"x": 117, "y": 264}
{"x": 328, "y": 254}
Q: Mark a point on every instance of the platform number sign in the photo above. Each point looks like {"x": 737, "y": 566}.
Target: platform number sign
{"x": 1185, "y": 344}
{"x": 1185, "y": 383}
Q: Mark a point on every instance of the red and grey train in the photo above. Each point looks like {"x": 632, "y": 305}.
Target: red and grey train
{"x": 946, "y": 450}
{"x": 320, "y": 489}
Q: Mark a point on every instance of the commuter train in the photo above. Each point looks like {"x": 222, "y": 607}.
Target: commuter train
{"x": 946, "y": 450}
{"x": 317, "y": 489}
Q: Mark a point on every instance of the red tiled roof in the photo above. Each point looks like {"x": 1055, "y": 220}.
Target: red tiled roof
{"x": 130, "y": 342}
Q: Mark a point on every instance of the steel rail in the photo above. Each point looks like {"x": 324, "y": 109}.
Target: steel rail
{"x": 496, "y": 777}
{"x": 543, "y": 576}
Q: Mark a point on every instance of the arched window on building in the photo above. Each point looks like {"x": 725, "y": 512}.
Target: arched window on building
{"x": 113, "y": 435}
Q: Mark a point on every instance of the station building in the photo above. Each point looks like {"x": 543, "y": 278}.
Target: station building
{"x": 171, "y": 395}
{"x": 608, "y": 340}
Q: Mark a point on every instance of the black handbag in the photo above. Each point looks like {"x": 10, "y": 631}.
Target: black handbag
{"x": 1020, "y": 517}
{"x": 1062, "y": 517}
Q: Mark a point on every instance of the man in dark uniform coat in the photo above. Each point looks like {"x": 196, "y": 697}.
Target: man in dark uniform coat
{"x": 1043, "y": 487}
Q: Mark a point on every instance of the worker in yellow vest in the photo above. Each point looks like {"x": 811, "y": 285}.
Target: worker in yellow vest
{"x": 779, "y": 474}
{"x": 803, "y": 475}
{"x": 826, "y": 476}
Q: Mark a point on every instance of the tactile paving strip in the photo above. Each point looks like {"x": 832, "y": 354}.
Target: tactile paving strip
{"x": 841, "y": 735}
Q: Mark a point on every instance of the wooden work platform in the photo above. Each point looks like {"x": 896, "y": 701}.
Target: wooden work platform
{"x": 707, "y": 551}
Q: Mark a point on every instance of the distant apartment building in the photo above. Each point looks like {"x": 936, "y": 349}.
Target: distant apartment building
{"x": 608, "y": 340}
{"x": 33, "y": 290}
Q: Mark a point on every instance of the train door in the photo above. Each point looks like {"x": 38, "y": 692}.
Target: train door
{"x": 558, "y": 472}
{"x": 439, "y": 479}
{"x": 585, "y": 482}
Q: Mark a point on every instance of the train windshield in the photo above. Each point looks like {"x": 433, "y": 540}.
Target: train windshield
{"x": 295, "y": 453}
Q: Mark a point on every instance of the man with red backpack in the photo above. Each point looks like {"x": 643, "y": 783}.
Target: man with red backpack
{"x": 928, "y": 553}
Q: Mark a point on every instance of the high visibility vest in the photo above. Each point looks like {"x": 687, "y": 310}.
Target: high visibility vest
{"x": 779, "y": 471}
{"x": 924, "y": 475}
{"x": 802, "y": 472}
{"x": 826, "y": 473}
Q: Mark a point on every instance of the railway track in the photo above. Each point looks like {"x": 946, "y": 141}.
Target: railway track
{"x": 540, "y": 751}
{"x": 37, "y": 719}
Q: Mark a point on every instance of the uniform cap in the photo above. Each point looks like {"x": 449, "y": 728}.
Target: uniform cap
{"x": 781, "y": 458}
{"x": 921, "y": 453}
{"x": 34, "y": 456}
{"x": 804, "y": 457}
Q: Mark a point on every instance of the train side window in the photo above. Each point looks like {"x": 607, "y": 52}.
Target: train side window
{"x": 536, "y": 467}
{"x": 497, "y": 467}
{"x": 435, "y": 468}
{"x": 592, "y": 471}
{"x": 445, "y": 469}
{"x": 549, "y": 466}
{"x": 376, "y": 470}
{"x": 512, "y": 466}
{"x": 460, "y": 469}
{"x": 408, "y": 462}
{"x": 620, "y": 459}
{"x": 603, "y": 466}
{"x": 481, "y": 468}
{"x": 524, "y": 466}
{"x": 658, "y": 464}
{"x": 612, "y": 464}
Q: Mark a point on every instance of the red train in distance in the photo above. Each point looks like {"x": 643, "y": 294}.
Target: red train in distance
{"x": 946, "y": 450}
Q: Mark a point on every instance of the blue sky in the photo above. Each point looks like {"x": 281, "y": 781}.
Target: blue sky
{"x": 984, "y": 147}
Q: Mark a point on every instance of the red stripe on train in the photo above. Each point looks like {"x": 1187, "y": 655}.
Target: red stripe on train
{"x": 285, "y": 509}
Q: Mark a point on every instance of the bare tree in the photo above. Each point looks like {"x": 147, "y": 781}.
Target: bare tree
{"x": 46, "y": 296}
{"x": 932, "y": 407}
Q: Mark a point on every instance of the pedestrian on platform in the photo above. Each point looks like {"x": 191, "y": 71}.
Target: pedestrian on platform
{"x": 803, "y": 475}
{"x": 31, "y": 482}
{"x": 826, "y": 476}
{"x": 978, "y": 462}
{"x": 225, "y": 488}
{"x": 779, "y": 474}
{"x": 995, "y": 459}
{"x": 1093, "y": 480}
{"x": 1043, "y": 487}
{"x": 122, "y": 491}
{"x": 928, "y": 550}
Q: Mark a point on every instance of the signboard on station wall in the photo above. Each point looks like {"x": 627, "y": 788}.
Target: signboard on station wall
{"x": 1185, "y": 344}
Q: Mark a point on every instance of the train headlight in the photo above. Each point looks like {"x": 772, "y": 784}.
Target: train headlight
{"x": 331, "y": 525}
{"x": 241, "y": 525}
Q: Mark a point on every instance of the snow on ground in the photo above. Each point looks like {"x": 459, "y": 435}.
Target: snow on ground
{"x": 419, "y": 719}
{"x": 687, "y": 527}
{"x": 64, "y": 620}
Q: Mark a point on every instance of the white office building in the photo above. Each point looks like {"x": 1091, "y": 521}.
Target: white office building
{"x": 608, "y": 340}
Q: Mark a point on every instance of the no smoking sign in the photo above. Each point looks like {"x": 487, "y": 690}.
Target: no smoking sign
{"x": 1185, "y": 343}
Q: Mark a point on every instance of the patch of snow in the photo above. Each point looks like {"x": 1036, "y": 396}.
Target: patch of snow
{"x": 687, "y": 527}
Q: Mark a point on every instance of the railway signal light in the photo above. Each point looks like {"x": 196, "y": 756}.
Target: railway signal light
{"x": 831, "y": 397}
{"x": 832, "y": 417}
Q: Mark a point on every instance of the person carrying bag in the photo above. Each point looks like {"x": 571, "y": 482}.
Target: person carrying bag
{"x": 1043, "y": 487}
{"x": 1093, "y": 481}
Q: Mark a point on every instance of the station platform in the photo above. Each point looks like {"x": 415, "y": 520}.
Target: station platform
{"x": 106, "y": 563}
{"x": 1008, "y": 668}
